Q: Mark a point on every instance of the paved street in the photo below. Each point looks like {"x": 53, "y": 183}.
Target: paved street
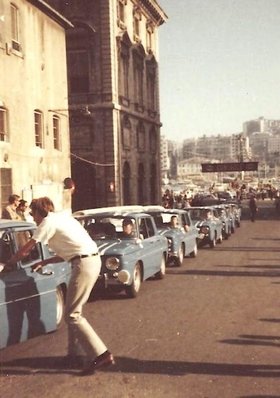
{"x": 210, "y": 329}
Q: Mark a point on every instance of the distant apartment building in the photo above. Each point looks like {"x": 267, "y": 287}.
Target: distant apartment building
{"x": 241, "y": 151}
{"x": 34, "y": 138}
{"x": 273, "y": 145}
{"x": 261, "y": 125}
{"x": 218, "y": 147}
{"x": 113, "y": 64}
{"x": 191, "y": 169}
{"x": 259, "y": 144}
{"x": 164, "y": 160}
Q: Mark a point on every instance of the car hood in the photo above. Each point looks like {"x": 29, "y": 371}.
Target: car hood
{"x": 200, "y": 223}
{"x": 117, "y": 247}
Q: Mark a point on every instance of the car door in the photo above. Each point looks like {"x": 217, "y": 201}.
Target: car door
{"x": 190, "y": 233}
{"x": 27, "y": 299}
{"x": 152, "y": 246}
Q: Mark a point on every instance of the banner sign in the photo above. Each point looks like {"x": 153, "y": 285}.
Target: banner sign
{"x": 221, "y": 167}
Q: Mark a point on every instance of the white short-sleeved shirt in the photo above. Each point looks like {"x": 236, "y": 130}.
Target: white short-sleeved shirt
{"x": 65, "y": 236}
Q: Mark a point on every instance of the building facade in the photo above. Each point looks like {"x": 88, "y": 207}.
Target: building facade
{"x": 113, "y": 85}
{"x": 34, "y": 139}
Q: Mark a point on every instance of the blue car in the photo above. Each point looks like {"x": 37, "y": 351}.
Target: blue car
{"x": 127, "y": 260}
{"x": 208, "y": 224}
{"x": 225, "y": 218}
{"x": 236, "y": 210}
{"x": 180, "y": 231}
{"x": 31, "y": 303}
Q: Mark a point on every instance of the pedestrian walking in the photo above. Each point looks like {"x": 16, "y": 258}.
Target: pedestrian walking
{"x": 253, "y": 207}
{"x": 70, "y": 241}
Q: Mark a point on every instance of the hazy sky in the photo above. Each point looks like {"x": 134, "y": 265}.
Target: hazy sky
{"x": 219, "y": 65}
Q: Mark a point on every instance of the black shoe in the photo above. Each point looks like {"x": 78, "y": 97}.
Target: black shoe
{"x": 102, "y": 361}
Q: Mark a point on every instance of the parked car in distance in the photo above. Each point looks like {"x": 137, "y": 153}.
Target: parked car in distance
{"x": 127, "y": 261}
{"x": 208, "y": 224}
{"x": 231, "y": 214}
{"x": 236, "y": 210}
{"x": 180, "y": 231}
{"x": 31, "y": 303}
{"x": 222, "y": 213}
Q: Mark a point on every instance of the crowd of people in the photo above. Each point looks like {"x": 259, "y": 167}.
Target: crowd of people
{"x": 17, "y": 209}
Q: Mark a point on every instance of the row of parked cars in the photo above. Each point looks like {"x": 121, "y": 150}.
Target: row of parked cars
{"x": 160, "y": 237}
{"x": 32, "y": 303}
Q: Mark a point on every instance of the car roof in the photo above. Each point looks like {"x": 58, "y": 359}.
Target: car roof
{"x": 154, "y": 208}
{"x": 112, "y": 214}
{"x": 112, "y": 209}
{"x": 5, "y": 223}
{"x": 200, "y": 207}
{"x": 162, "y": 209}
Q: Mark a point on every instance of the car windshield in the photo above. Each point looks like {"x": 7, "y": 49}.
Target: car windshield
{"x": 112, "y": 228}
{"x": 200, "y": 214}
{"x": 166, "y": 219}
{"x": 220, "y": 212}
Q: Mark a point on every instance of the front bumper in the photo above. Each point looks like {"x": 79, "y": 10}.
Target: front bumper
{"x": 116, "y": 278}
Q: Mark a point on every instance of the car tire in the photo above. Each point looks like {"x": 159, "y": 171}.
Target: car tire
{"x": 133, "y": 289}
{"x": 60, "y": 302}
{"x": 161, "y": 274}
{"x": 193, "y": 254}
{"x": 220, "y": 240}
{"x": 180, "y": 258}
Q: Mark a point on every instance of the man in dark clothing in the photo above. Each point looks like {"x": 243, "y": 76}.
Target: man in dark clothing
{"x": 253, "y": 207}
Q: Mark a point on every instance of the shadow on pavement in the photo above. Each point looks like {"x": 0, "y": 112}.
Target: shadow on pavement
{"x": 268, "y": 274}
{"x": 45, "y": 365}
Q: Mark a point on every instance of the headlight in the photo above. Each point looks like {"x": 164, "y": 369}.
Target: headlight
{"x": 169, "y": 240}
{"x": 112, "y": 263}
{"x": 204, "y": 230}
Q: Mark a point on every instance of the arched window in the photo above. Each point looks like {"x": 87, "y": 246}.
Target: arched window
{"x": 38, "y": 128}
{"x": 15, "y": 27}
{"x": 126, "y": 183}
{"x": 3, "y": 124}
{"x": 79, "y": 43}
{"x": 140, "y": 137}
{"x": 126, "y": 132}
{"x": 153, "y": 140}
{"x": 141, "y": 186}
{"x": 138, "y": 72}
{"x": 56, "y": 133}
{"x": 153, "y": 183}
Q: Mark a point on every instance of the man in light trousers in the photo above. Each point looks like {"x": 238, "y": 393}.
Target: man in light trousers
{"x": 70, "y": 241}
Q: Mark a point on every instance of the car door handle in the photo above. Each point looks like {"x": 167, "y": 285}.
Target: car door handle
{"x": 47, "y": 273}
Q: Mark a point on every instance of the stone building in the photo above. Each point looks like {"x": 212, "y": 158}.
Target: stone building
{"x": 34, "y": 139}
{"x": 113, "y": 85}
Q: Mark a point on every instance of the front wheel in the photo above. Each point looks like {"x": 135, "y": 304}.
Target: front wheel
{"x": 161, "y": 273}
{"x": 180, "y": 258}
{"x": 194, "y": 252}
{"x": 59, "y": 306}
{"x": 133, "y": 289}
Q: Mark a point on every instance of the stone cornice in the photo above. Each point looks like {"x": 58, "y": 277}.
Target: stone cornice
{"x": 154, "y": 10}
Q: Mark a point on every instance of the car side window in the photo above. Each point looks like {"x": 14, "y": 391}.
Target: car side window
{"x": 186, "y": 219}
{"x": 21, "y": 238}
{"x": 150, "y": 227}
{"x": 143, "y": 229}
{"x": 5, "y": 247}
